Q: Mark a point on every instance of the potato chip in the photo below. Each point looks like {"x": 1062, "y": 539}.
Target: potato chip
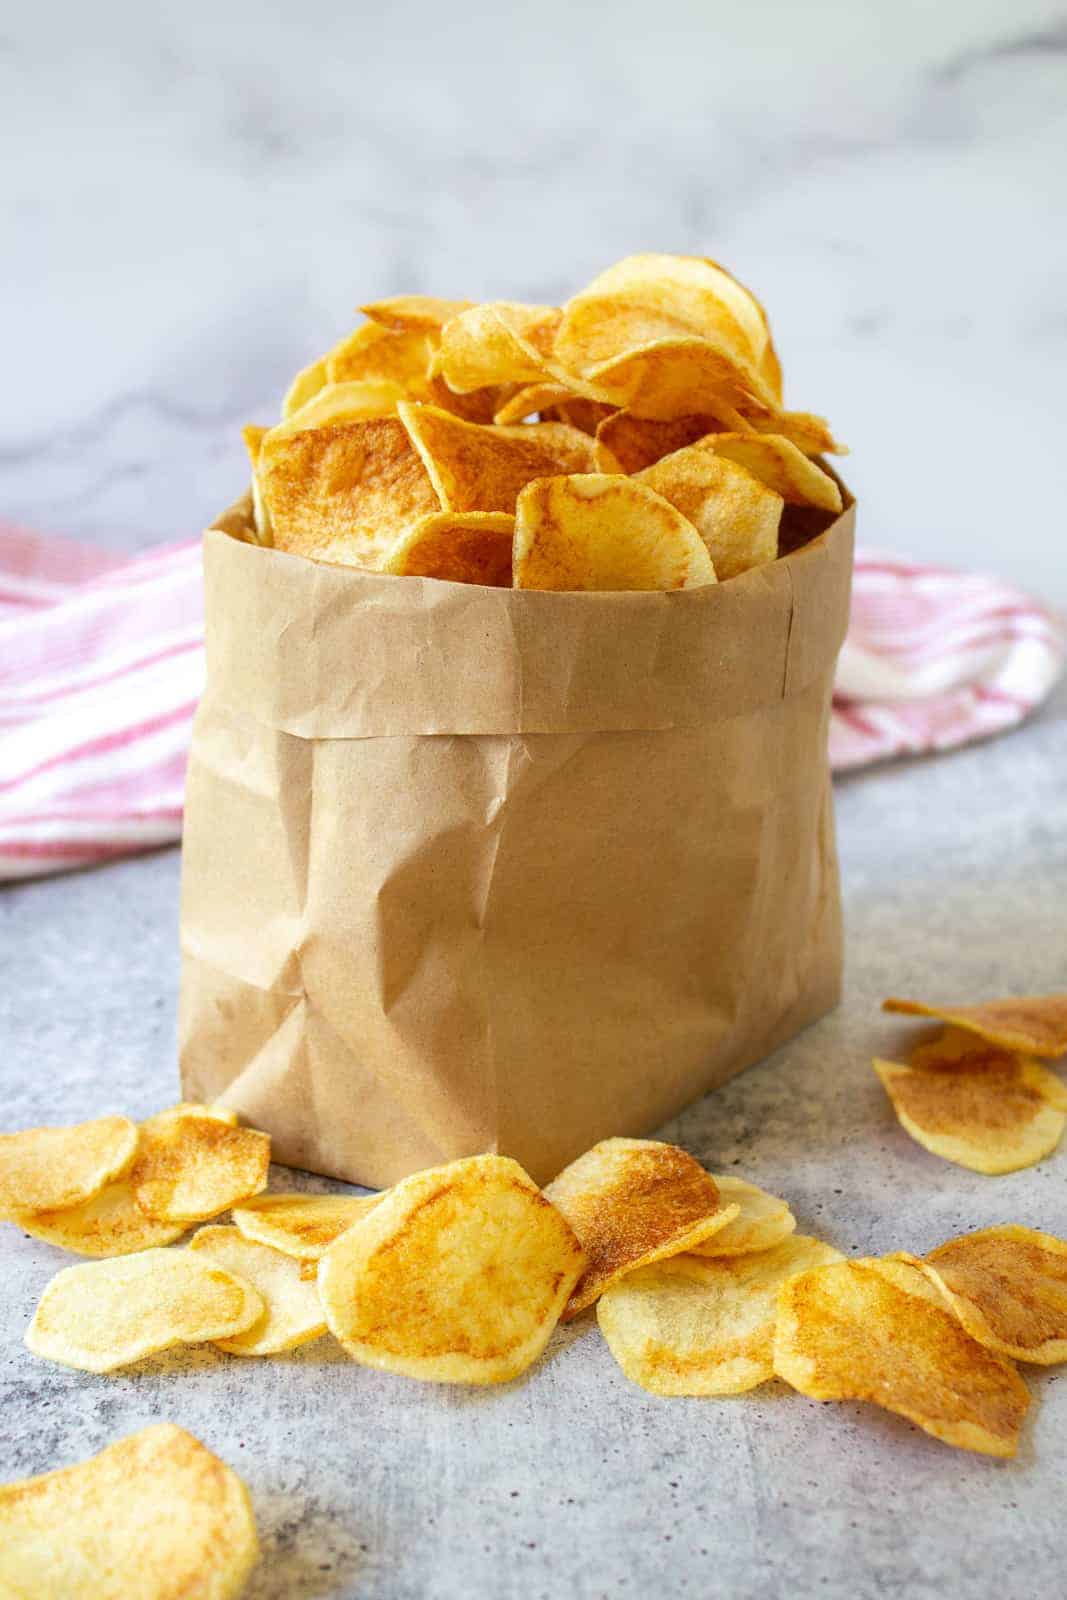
{"x": 193, "y": 1108}
{"x": 189, "y": 1168}
{"x": 813, "y": 435}
{"x": 736, "y": 516}
{"x": 990, "y": 1112}
{"x": 309, "y": 1269}
{"x": 475, "y": 468}
{"x": 414, "y": 313}
{"x": 308, "y": 381}
{"x": 341, "y": 493}
{"x": 675, "y": 377}
{"x": 302, "y": 1224}
{"x": 688, "y": 1326}
{"x": 293, "y": 1314}
{"x": 46, "y": 1169}
{"x": 461, "y": 546}
{"x": 253, "y": 438}
{"x": 352, "y": 401}
{"x": 376, "y": 354}
{"x": 500, "y": 342}
{"x": 528, "y": 400}
{"x": 762, "y": 1222}
{"x": 596, "y": 531}
{"x": 458, "y": 1275}
{"x": 110, "y": 1224}
{"x": 587, "y": 415}
{"x": 155, "y": 1516}
{"x": 107, "y": 1314}
{"x": 1033, "y": 1024}
{"x": 878, "y": 1331}
{"x": 781, "y": 466}
{"x": 632, "y": 1202}
{"x": 638, "y": 442}
{"x": 1008, "y": 1286}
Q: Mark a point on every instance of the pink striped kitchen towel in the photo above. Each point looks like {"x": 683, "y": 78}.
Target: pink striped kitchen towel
{"x": 102, "y": 661}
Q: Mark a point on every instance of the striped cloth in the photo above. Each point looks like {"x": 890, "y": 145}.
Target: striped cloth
{"x": 102, "y": 662}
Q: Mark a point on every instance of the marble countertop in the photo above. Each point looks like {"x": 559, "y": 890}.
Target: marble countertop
{"x": 194, "y": 200}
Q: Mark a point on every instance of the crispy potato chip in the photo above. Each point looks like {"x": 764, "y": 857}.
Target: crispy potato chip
{"x": 762, "y": 1222}
{"x": 414, "y": 313}
{"x": 352, "y": 401}
{"x": 193, "y": 1108}
{"x": 47, "y": 1169}
{"x": 253, "y": 438}
{"x": 688, "y": 1326}
{"x": 632, "y": 1202}
{"x": 990, "y": 1111}
{"x": 110, "y": 1224}
{"x": 458, "y": 1275}
{"x": 376, "y": 354}
{"x": 587, "y": 415}
{"x": 809, "y": 433}
{"x": 107, "y": 1314}
{"x": 155, "y": 1516}
{"x": 675, "y": 377}
{"x": 342, "y": 492}
{"x": 1033, "y": 1024}
{"x": 462, "y": 546}
{"x": 309, "y": 1268}
{"x": 293, "y": 1314}
{"x": 500, "y": 342}
{"x": 638, "y": 442}
{"x": 308, "y": 381}
{"x": 877, "y": 1330}
{"x": 476, "y": 468}
{"x": 597, "y": 531}
{"x": 736, "y": 516}
{"x": 302, "y": 1224}
{"x": 781, "y": 466}
{"x": 189, "y": 1168}
{"x": 1008, "y": 1286}
{"x": 528, "y": 400}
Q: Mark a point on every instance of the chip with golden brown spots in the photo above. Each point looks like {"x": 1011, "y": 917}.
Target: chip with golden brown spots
{"x": 777, "y": 462}
{"x": 1008, "y": 1286}
{"x": 1036, "y": 1025}
{"x": 54, "y": 1168}
{"x": 501, "y": 342}
{"x": 477, "y": 468}
{"x": 414, "y": 313}
{"x": 190, "y": 1168}
{"x": 762, "y": 1222}
{"x": 735, "y": 514}
{"x": 292, "y": 1313}
{"x": 302, "y": 1225}
{"x": 459, "y": 546}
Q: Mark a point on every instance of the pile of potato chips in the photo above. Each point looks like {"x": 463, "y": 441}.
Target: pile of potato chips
{"x": 634, "y": 438}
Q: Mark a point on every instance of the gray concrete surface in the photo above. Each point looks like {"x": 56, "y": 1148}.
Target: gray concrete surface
{"x": 572, "y": 1482}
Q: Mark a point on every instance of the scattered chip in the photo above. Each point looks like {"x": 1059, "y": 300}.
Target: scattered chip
{"x": 189, "y": 1168}
{"x": 632, "y": 1202}
{"x": 302, "y": 1224}
{"x": 586, "y": 414}
{"x": 879, "y": 1331}
{"x": 989, "y": 1111}
{"x": 736, "y": 515}
{"x": 293, "y": 1314}
{"x": 1008, "y": 1286}
{"x": 107, "y": 1314}
{"x": 461, "y": 546}
{"x": 475, "y": 468}
{"x": 414, "y": 313}
{"x": 110, "y": 1224}
{"x": 762, "y": 1222}
{"x": 459, "y": 1275}
{"x": 46, "y": 1169}
{"x": 688, "y": 1326}
{"x": 776, "y": 462}
{"x": 596, "y": 531}
{"x": 1033, "y": 1024}
{"x": 155, "y": 1516}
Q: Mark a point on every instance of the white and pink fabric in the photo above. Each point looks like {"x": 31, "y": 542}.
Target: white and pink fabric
{"x": 102, "y": 662}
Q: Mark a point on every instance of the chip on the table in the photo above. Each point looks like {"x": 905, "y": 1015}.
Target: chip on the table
{"x": 497, "y": 343}
{"x": 762, "y": 1222}
{"x": 107, "y": 1314}
{"x": 189, "y": 1168}
{"x": 777, "y": 462}
{"x": 735, "y": 514}
{"x": 110, "y": 1224}
{"x": 414, "y": 313}
{"x": 1033, "y": 1024}
{"x": 45, "y": 1169}
{"x": 458, "y": 1275}
{"x": 482, "y": 468}
{"x": 1008, "y": 1286}
{"x": 461, "y": 546}
{"x": 632, "y": 1202}
{"x": 293, "y": 1314}
{"x": 155, "y": 1516}
{"x": 302, "y": 1225}
{"x": 877, "y": 1330}
{"x": 989, "y": 1111}
{"x": 340, "y": 493}
{"x": 697, "y": 1327}
{"x": 603, "y": 532}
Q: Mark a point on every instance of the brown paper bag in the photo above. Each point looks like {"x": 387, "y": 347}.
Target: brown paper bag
{"x": 479, "y": 869}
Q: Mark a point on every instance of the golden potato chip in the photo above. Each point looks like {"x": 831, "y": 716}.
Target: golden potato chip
{"x": 458, "y": 1275}
{"x": 352, "y": 401}
{"x": 461, "y": 546}
{"x": 781, "y": 466}
{"x": 598, "y": 531}
{"x": 155, "y": 1516}
{"x": 500, "y": 342}
{"x": 688, "y": 1326}
{"x": 638, "y": 442}
{"x": 632, "y": 1202}
{"x": 309, "y": 1268}
{"x": 46, "y": 1169}
{"x": 528, "y": 400}
{"x": 293, "y": 1314}
{"x": 378, "y": 354}
{"x": 587, "y": 415}
{"x": 675, "y": 377}
{"x": 809, "y": 433}
{"x": 341, "y": 493}
{"x": 308, "y": 381}
{"x": 189, "y": 1168}
{"x": 1008, "y": 1286}
{"x": 253, "y": 438}
{"x": 107, "y": 1314}
{"x": 110, "y": 1224}
{"x": 414, "y": 313}
{"x": 1033, "y": 1024}
{"x": 989, "y": 1111}
{"x": 736, "y": 516}
{"x": 762, "y": 1222}
{"x": 193, "y": 1108}
{"x": 878, "y": 1331}
{"x": 302, "y": 1224}
{"x": 476, "y": 468}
